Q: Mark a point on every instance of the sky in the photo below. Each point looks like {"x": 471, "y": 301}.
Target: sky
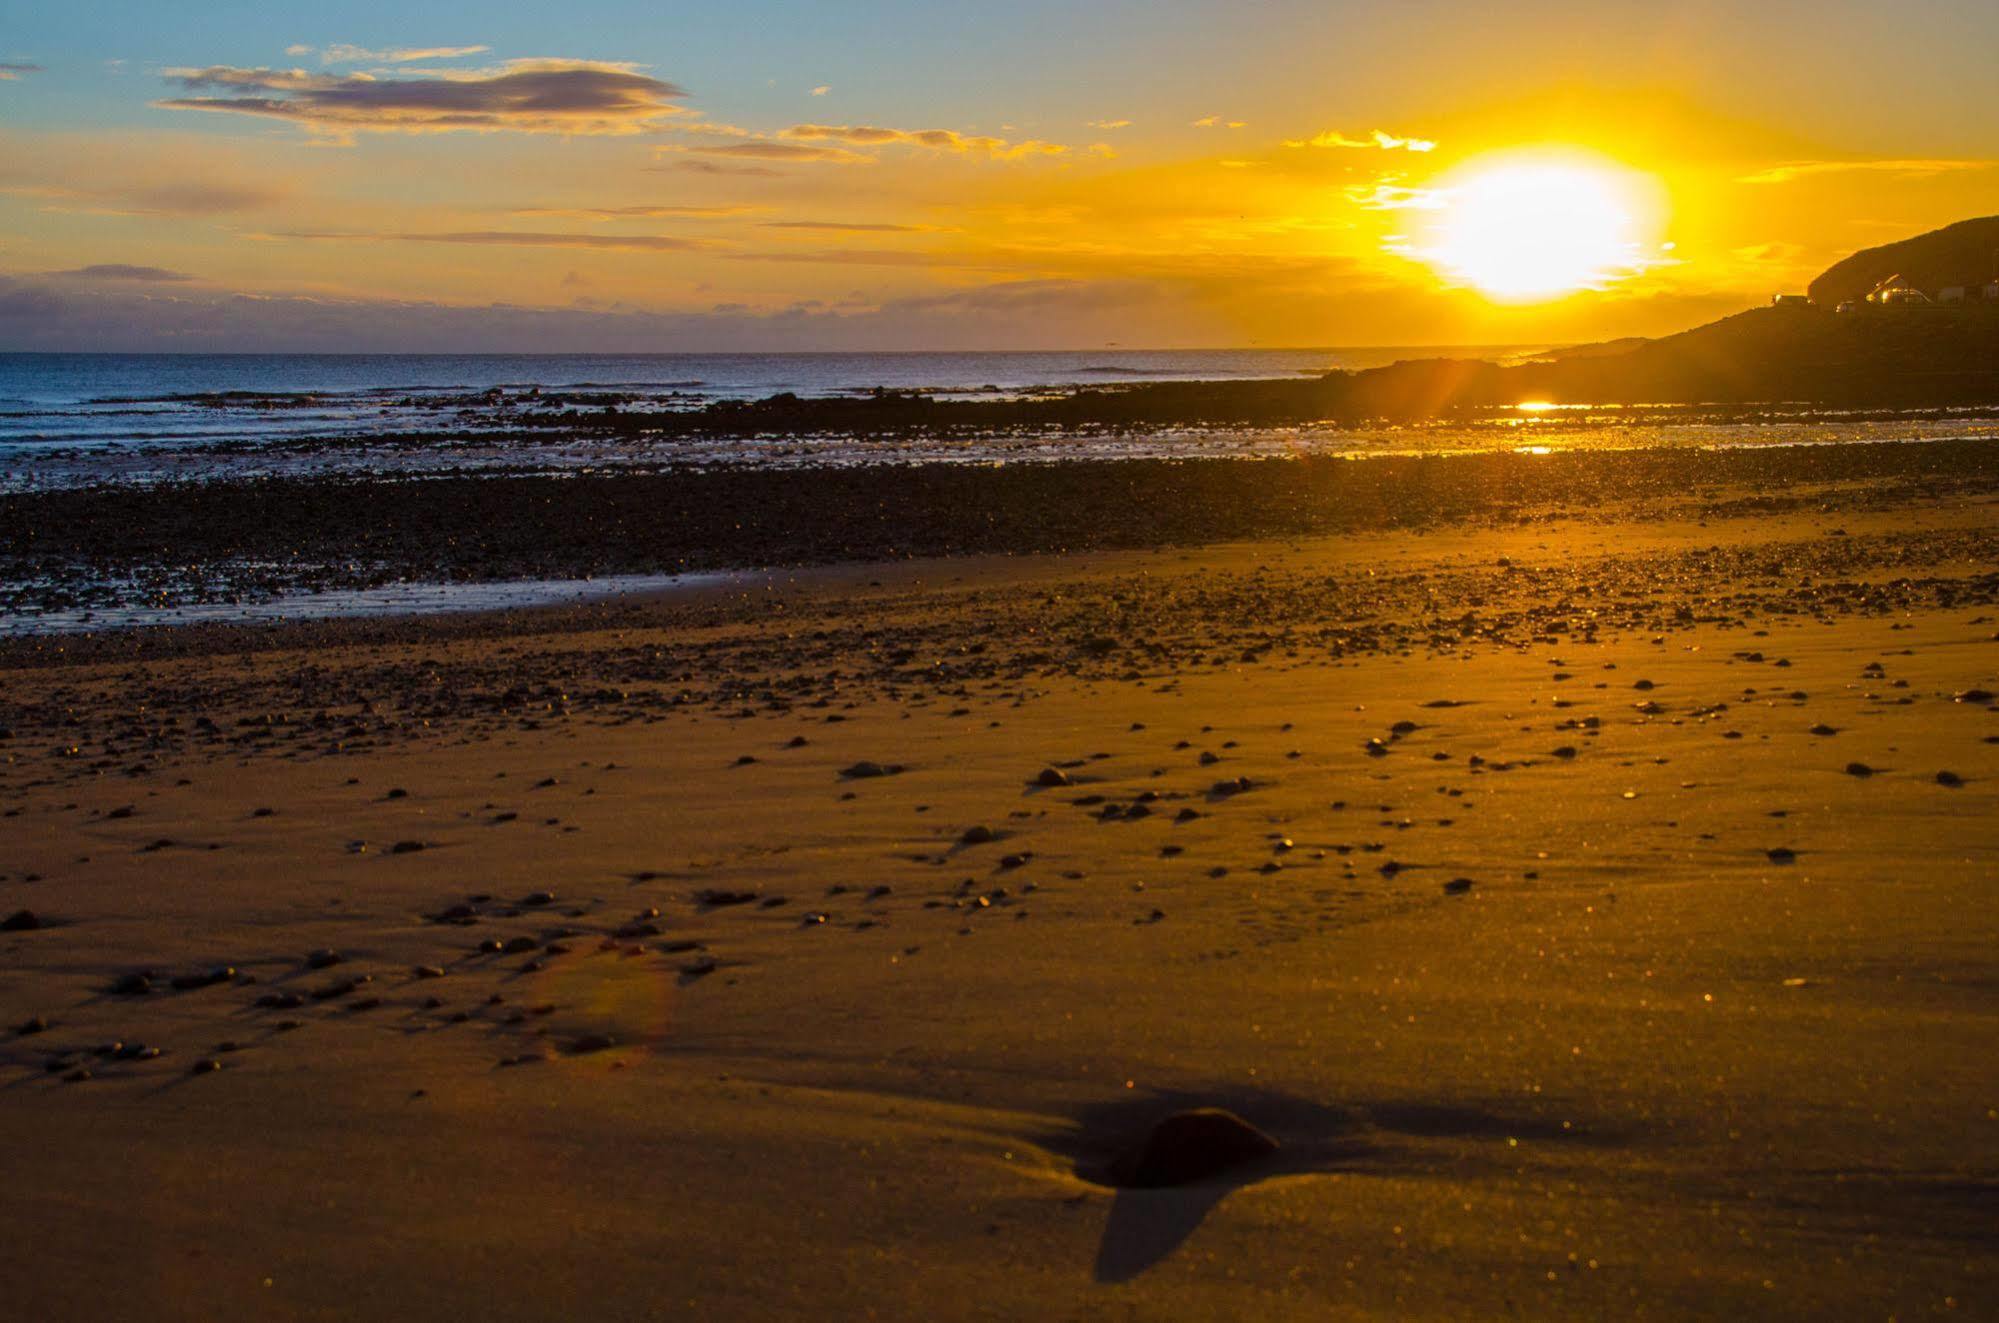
{"x": 881, "y": 174}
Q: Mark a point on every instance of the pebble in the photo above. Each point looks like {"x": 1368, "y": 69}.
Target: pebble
{"x": 1051, "y": 778}
{"x": 324, "y": 958}
{"x": 977, "y": 836}
{"x": 1191, "y": 1146}
{"x": 20, "y": 921}
{"x": 1951, "y": 779}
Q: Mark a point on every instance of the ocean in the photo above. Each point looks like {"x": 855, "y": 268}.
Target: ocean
{"x": 71, "y": 420}
{"x": 159, "y": 399}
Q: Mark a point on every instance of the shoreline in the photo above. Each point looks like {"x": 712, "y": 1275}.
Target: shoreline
{"x": 101, "y": 549}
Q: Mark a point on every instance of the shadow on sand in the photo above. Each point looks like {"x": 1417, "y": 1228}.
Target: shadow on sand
{"x": 1146, "y": 1226}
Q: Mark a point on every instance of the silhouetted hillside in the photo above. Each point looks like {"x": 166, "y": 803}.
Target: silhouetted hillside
{"x": 1966, "y": 253}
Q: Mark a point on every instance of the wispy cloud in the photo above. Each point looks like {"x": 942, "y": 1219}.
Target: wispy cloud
{"x": 342, "y": 53}
{"x": 193, "y": 198}
{"x": 1387, "y": 142}
{"x": 690, "y": 165}
{"x": 11, "y": 72}
{"x": 821, "y": 90}
{"x": 1217, "y": 122}
{"x": 1107, "y": 125}
{"x": 522, "y": 96}
{"x": 122, "y": 271}
{"x": 1914, "y": 169}
{"x": 641, "y": 212}
{"x": 1386, "y": 195}
{"x": 650, "y": 243}
{"x": 784, "y": 152}
{"x": 852, "y": 227}
{"x": 867, "y": 135}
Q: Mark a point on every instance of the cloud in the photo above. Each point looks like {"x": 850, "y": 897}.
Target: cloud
{"x": 640, "y": 212}
{"x": 864, "y": 135}
{"x": 521, "y": 96}
{"x": 341, "y": 53}
{"x": 691, "y": 166}
{"x": 1107, "y": 125}
{"x": 10, "y": 72}
{"x": 135, "y": 199}
{"x": 762, "y": 150}
{"x": 1913, "y": 169}
{"x": 849, "y": 227}
{"x": 1386, "y": 142}
{"x": 650, "y": 243}
{"x": 1386, "y": 195}
{"x": 821, "y": 90}
{"x": 27, "y": 303}
{"x": 122, "y": 271}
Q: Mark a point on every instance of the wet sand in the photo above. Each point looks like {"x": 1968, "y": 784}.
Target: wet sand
{"x": 1596, "y": 907}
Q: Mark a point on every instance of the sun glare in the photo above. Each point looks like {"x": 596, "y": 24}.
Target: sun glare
{"x": 1524, "y": 227}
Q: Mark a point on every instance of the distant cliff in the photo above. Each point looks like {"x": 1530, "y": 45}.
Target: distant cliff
{"x": 1966, "y": 253}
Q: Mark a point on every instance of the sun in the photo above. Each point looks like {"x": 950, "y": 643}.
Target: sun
{"x": 1527, "y": 226}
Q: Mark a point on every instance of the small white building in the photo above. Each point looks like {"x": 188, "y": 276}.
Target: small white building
{"x": 1951, "y": 294}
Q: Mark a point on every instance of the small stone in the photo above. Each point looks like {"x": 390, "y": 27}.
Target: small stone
{"x": 978, "y": 836}
{"x": 866, "y": 770}
{"x": 34, "y": 1024}
{"x": 406, "y": 847}
{"x": 20, "y": 921}
{"x": 1191, "y": 1146}
{"x": 588, "y": 1043}
{"x": 1457, "y": 886}
{"x": 206, "y": 1066}
{"x": 1859, "y": 769}
{"x": 427, "y": 971}
{"x": 1950, "y": 779}
{"x": 1782, "y": 854}
{"x": 519, "y": 946}
{"x": 1050, "y": 778}
{"x": 132, "y": 985}
{"x": 538, "y": 898}
{"x": 324, "y": 958}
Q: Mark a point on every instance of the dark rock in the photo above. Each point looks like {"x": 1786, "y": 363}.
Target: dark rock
{"x": 1457, "y": 886}
{"x": 1050, "y": 778}
{"x": 1191, "y": 1146}
{"x": 591, "y": 1043}
{"x": 862, "y": 771}
{"x": 1859, "y": 769}
{"x": 406, "y": 847}
{"x": 324, "y": 958}
{"x": 1782, "y": 854}
{"x": 977, "y": 836}
{"x": 519, "y": 946}
{"x": 131, "y": 985}
{"x": 1951, "y": 779}
{"x": 20, "y": 921}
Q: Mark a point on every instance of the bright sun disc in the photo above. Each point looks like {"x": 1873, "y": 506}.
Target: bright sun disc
{"x": 1525, "y": 227}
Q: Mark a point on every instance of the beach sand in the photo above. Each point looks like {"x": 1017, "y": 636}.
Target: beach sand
{"x": 1603, "y": 983}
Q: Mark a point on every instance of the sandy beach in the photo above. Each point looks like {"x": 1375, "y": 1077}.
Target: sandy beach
{"x": 1594, "y": 906}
